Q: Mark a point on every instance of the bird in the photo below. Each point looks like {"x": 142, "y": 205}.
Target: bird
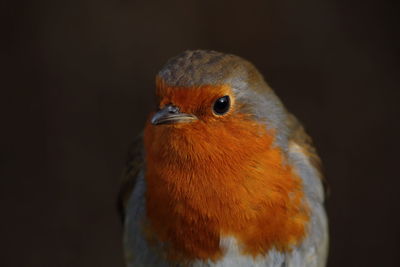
{"x": 222, "y": 174}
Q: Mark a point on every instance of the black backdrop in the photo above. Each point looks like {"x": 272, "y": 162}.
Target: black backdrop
{"x": 78, "y": 78}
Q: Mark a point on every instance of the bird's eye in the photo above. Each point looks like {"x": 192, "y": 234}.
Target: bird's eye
{"x": 222, "y": 105}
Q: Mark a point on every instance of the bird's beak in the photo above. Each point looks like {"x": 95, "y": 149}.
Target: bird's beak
{"x": 170, "y": 114}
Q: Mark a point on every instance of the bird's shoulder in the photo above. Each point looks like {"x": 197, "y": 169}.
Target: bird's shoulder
{"x": 299, "y": 137}
{"x": 134, "y": 163}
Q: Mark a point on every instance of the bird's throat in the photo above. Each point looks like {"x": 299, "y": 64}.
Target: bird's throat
{"x": 204, "y": 183}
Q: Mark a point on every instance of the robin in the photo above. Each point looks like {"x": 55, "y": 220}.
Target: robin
{"x": 223, "y": 174}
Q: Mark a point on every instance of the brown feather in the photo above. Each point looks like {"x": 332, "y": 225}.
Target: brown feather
{"x": 134, "y": 164}
{"x": 300, "y": 137}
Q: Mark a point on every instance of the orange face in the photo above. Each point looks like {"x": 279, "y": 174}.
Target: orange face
{"x": 218, "y": 175}
{"x": 198, "y": 101}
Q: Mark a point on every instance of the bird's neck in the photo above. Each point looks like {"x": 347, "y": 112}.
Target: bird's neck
{"x": 202, "y": 186}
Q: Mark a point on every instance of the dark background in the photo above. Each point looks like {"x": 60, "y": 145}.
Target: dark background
{"x": 77, "y": 83}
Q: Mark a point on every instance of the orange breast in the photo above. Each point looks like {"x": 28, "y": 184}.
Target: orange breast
{"x": 220, "y": 178}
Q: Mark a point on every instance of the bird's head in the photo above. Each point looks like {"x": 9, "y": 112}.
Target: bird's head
{"x": 206, "y": 95}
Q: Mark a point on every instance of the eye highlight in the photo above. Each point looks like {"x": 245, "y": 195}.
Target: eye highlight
{"x": 222, "y": 105}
